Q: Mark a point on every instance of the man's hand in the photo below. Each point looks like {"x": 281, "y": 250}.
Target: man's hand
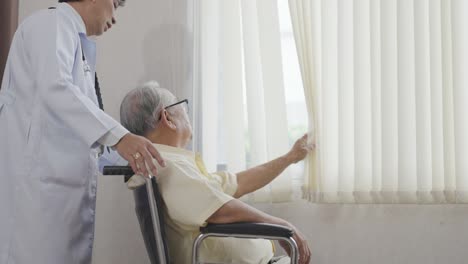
{"x": 139, "y": 152}
{"x": 304, "y": 251}
{"x": 300, "y": 149}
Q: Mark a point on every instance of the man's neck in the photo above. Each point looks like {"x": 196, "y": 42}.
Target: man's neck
{"x": 169, "y": 141}
{"x": 80, "y": 8}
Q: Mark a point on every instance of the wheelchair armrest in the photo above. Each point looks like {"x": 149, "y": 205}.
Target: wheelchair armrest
{"x": 254, "y": 229}
{"x": 247, "y": 230}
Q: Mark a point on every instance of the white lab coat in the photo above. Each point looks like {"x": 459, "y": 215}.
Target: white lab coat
{"x": 49, "y": 127}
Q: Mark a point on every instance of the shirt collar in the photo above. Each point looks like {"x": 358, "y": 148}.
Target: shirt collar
{"x": 174, "y": 150}
{"x": 78, "y": 22}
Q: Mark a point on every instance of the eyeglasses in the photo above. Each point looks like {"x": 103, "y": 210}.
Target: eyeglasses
{"x": 174, "y": 104}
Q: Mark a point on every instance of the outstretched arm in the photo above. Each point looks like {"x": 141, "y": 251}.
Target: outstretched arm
{"x": 259, "y": 176}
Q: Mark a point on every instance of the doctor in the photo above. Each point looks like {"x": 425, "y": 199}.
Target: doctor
{"x": 51, "y": 133}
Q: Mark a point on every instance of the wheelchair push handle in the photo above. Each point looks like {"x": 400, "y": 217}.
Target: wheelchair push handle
{"x": 118, "y": 170}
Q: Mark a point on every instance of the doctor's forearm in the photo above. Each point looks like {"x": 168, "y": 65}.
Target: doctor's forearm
{"x": 255, "y": 178}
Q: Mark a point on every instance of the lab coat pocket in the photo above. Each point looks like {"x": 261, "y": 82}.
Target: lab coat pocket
{"x": 67, "y": 159}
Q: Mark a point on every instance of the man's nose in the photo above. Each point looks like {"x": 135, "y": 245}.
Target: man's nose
{"x": 113, "y": 20}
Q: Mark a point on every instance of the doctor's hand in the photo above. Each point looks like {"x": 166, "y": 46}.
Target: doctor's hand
{"x": 139, "y": 152}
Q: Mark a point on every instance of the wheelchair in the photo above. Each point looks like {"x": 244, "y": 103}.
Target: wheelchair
{"x": 237, "y": 230}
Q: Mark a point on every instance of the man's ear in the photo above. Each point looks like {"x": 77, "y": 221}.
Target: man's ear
{"x": 167, "y": 120}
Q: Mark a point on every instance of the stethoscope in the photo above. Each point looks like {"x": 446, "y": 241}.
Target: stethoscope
{"x": 86, "y": 67}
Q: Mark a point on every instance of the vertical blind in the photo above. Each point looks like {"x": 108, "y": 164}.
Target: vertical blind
{"x": 387, "y": 94}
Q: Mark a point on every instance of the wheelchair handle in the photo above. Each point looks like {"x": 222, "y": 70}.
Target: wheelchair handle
{"x": 118, "y": 170}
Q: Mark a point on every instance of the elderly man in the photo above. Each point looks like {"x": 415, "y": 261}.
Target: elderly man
{"x": 194, "y": 197}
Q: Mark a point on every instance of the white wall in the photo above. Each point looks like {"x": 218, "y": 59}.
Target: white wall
{"x": 152, "y": 40}
{"x": 383, "y": 234}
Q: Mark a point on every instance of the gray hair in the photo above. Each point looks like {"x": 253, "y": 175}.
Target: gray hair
{"x": 141, "y": 108}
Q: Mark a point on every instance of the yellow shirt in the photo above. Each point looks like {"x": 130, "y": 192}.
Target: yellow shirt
{"x": 191, "y": 196}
